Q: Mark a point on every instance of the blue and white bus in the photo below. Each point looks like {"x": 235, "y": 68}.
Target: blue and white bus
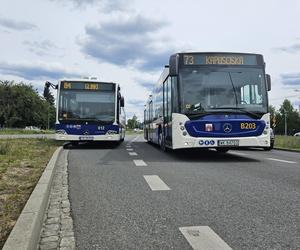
{"x": 89, "y": 110}
{"x": 210, "y": 100}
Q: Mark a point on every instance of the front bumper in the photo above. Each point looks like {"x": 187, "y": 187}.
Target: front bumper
{"x": 207, "y": 142}
{"x": 66, "y": 137}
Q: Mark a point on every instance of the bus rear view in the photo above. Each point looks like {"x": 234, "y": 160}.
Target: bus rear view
{"x": 89, "y": 110}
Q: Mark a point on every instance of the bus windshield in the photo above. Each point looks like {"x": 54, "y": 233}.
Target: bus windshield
{"x": 82, "y": 105}
{"x": 215, "y": 89}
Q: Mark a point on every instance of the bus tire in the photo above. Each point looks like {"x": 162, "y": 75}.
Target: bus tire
{"x": 74, "y": 143}
{"x": 161, "y": 142}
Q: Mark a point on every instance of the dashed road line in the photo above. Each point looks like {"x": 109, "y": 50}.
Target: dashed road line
{"x": 284, "y": 161}
{"x": 203, "y": 238}
{"x": 139, "y": 163}
{"x": 129, "y": 149}
{"x": 132, "y": 153}
{"x": 155, "y": 183}
{"x": 133, "y": 140}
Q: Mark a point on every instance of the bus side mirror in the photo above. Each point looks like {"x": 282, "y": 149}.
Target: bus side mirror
{"x": 173, "y": 65}
{"x": 268, "y": 82}
{"x": 122, "y": 102}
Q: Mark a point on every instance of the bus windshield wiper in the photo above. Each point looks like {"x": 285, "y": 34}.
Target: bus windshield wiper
{"x": 241, "y": 109}
{"x": 234, "y": 91}
{"x": 195, "y": 114}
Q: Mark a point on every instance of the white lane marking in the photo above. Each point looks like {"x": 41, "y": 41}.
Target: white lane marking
{"x": 139, "y": 163}
{"x": 203, "y": 238}
{"x": 132, "y": 153}
{"x": 133, "y": 140}
{"x": 273, "y": 159}
{"x": 128, "y": 146}
{"x": 238, "y": 153}
{"x": 129, "y": 149}
{"x": 155, "y": 183}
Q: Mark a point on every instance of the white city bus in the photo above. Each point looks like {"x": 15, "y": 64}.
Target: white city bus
{"x": 210, "y": 100}
{"x": 89, "y": 110}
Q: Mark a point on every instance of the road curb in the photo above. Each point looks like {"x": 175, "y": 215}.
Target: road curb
{"x": 26, "y": 232}
{"x": 288, "y": 150}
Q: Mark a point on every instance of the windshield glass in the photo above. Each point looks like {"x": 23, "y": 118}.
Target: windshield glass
{"x": 214, "y": 89}
{"x": 87, "y": 105}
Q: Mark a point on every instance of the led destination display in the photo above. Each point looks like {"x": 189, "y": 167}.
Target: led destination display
{"x": 87, "y": 86}
{"x": 219, "y": 59}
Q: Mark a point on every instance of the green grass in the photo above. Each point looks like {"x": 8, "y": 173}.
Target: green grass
{"x": 22, "y": 162}
{"x": 287, "y": 142}
{"x": 24, "y": 132}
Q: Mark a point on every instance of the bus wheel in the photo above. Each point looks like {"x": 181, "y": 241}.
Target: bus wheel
{"x": 162, "y": 142}
{"x": 74, "y": 143}
{"x": 222, "y": 150}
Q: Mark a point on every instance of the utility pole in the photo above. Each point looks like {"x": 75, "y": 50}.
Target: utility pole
{"x": 48, "y": 117}
{"x": 285, "y": 122}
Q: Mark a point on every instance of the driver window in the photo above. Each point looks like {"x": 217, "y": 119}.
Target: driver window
{"x": 250, "y": 94}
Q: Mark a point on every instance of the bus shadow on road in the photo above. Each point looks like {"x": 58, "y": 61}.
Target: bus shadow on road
{"x": 208, "y": 155}
{"x": 152, "y": 152}
{"x": 91, "y": 145}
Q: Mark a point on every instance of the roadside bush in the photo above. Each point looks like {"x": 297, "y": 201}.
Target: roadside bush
{"x": 4, "y": 148}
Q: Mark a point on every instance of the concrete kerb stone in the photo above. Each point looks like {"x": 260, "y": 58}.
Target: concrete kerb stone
{"x": 26, "y": 232}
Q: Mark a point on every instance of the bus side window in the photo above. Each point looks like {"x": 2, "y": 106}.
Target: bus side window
{"x": 175, "y": 96}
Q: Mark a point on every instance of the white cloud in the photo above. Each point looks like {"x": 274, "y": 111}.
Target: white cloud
{"x": 16, "y": 25}
{"x": 37, "y": 70}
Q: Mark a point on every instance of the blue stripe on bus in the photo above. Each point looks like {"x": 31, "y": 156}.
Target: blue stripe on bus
{"x": 196, "y": 128}
{"x": 81, "y": 129}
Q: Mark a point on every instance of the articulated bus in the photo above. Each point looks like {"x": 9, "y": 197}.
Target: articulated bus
{"x": 89, "y": 110}
{"x": 210, "y": 100}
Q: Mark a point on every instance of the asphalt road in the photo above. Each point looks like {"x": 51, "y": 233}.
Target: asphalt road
{"x": 248, "y": 199}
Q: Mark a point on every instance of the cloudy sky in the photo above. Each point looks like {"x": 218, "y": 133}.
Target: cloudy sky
{"x": 130, "y": 41}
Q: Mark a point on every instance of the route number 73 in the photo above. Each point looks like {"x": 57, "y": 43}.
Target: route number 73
{"x": 188, "y": 60}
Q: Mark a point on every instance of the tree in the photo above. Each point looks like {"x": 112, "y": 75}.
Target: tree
{"x": 21, "y": 105}
{"x": 287, "y": 111}
{"x": 132, "y": 123}
{"x": 48, "y": 95}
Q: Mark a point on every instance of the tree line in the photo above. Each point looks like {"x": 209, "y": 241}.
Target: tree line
{"x": 21, "y": 106}
{"x": 285, "y": 114}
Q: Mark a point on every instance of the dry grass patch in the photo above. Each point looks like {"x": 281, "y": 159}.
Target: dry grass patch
{"x": 22, "y": 162}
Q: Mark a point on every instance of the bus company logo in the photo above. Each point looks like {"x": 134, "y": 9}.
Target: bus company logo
{"x": 86, "y": 132}
{"x": 227, "y": 127}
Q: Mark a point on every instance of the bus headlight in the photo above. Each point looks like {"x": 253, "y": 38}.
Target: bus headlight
{"x": 110, "y": 132}
{"x": 182, "y": 128}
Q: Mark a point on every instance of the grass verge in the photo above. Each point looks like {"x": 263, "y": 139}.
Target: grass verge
{"x": 24, "y": 132}
{"x": 22, "y": 162}
{"x": 287, "y": 142}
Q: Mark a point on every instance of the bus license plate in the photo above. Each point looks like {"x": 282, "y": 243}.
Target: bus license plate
{"x": 228, "y": 143}
{"x": 86, "y": 138}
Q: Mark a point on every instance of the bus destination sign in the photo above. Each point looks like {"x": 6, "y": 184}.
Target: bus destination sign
{"x": 219, "y": 59}
{"x": 86, "y": 86}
